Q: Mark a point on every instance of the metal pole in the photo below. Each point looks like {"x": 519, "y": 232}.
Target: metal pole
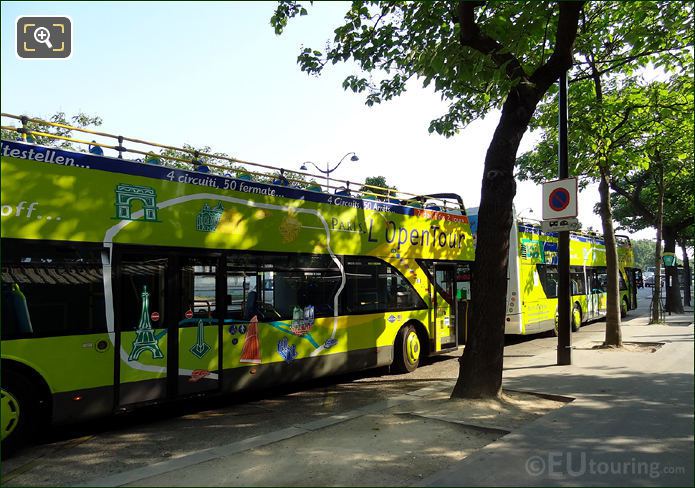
{"x": 564, "y": 342}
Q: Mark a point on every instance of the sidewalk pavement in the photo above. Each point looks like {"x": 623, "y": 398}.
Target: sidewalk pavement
{"x": 630, "y": 424}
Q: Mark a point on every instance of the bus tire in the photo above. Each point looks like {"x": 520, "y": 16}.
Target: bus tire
{"x": 623, "y": 307}
{"x": 407, "y": 350}
{"x": 576, "y": 317}
{"x": 20, "y": 411}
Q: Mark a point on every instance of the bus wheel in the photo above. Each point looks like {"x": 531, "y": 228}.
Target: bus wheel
{"x": 19, "y": 409}
{"x": 576, "y": 318}
{"x": 623, "y": 308}
{"x": 406, "y": 350}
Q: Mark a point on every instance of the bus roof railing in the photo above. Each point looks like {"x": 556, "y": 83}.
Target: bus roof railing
{"x": 620, "y": 239}
{"x": 362, "y": 190}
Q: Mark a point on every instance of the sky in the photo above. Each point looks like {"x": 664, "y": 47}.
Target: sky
{"x": 215, "y": 74}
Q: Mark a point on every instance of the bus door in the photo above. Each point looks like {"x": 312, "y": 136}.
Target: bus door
{"x": 143, "y": 326}
{"x": 634, "y": 278}
{"x": 199, "y": 329}
{"x": 597, "y": 292}
{"x": 444, "y": 305}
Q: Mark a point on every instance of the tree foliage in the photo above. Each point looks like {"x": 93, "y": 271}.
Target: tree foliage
{"x": 379, "y": 181}
{"x": 473, "y": 68}
{"x": 191, "y": 153}
{"x": 644, "y": 253}
{"x": 665, "y": 150}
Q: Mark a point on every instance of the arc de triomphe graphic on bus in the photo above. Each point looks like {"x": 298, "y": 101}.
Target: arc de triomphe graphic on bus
{"x": 126, "y": 194}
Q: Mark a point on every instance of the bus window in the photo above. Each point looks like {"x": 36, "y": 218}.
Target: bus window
{"x": 198, "y": 288}
{"x": 279, "y": 283}
{"x": 577, "y": 281}
{"x": 599, "y": 280}
{"x": 373, "y": 286}
{"x": 50, "y": 289}
{"x": 549, "y": 279}
{"x": 306, "y": 280}
{"x": 15, "y": 314}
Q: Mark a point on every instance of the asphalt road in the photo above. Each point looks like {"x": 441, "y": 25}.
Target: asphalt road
{"x": 75, "y": 454}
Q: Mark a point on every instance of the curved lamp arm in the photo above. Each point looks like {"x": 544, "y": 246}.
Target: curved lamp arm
{"x": 304, "y": 168}
{"x": 328, "y": 171}
{"x": 353, "y": 158}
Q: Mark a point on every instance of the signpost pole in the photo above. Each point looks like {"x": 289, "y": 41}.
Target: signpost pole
{"x": 564, "y": 343}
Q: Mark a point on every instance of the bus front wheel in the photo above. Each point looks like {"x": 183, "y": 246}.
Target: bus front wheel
{"x": 406, "y": 350}
{"x": 19, "y": 409}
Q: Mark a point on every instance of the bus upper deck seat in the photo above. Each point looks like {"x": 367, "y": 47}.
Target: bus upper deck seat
{"x": 281, "y": 180}
{"x": 96, "y": 150}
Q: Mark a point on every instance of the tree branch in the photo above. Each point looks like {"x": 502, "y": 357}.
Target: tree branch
{"x": 634, "y": 198}
{"x": 621, "y": 61}
{"x": 473, "y": 37}
{"x": 561, "y": 59}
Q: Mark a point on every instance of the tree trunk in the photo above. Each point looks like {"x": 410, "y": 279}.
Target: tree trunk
{"x": 613, "y": 334}
{"x": 659, "y": 224}
{"x": 674, "y": 304}
{"x": 656, "y": 294}
{"x": 480, "y": 372}
{"x": 686, "y": 274}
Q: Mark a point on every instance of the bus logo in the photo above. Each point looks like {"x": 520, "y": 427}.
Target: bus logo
{"x": 208, "y": 218}
{"x": 127, "y": 194}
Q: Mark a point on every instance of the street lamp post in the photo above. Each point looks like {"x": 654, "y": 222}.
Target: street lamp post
{"x": 670, "y": 261}
{"x": 329, "y": 170}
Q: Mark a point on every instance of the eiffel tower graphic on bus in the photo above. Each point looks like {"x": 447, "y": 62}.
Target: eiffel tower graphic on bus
{"x": 145, "y": 339}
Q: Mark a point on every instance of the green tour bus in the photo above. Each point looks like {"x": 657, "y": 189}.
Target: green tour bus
{"x": 532, "y": 285}
{"x": 128, "y": 282}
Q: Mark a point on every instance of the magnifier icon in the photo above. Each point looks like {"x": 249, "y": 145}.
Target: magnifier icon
{"x": 43, "y": 36}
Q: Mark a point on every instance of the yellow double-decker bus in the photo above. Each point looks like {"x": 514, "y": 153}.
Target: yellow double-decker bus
{"x": 533, "y": 277}
{"x": 127, "y": 282}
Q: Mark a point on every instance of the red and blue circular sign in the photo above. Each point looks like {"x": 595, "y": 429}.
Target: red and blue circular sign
{"x": 559, "y": 199}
